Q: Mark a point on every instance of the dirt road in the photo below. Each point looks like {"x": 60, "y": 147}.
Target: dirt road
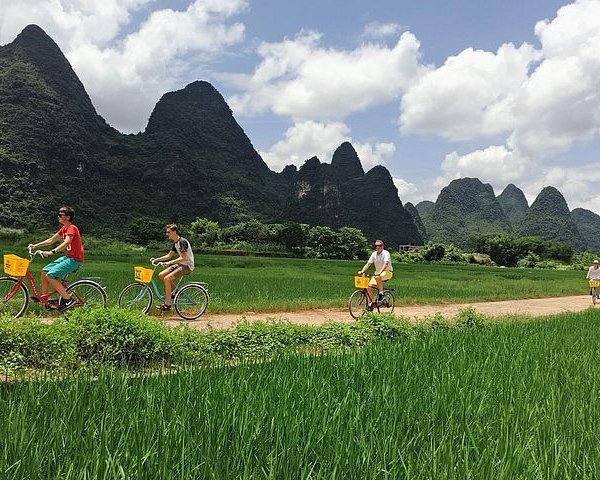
{"x": 534, "y": 307}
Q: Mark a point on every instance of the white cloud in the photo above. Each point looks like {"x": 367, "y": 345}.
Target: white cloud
{"x": 495, "y": 164}
{"x": 372, "y": 154}
{"x": 305, "y": 140}
{"x": 126, "y": 76}
{"x": 377, "y": 30}
{"x": 303, "y": 80}
{"x": 469, "y": 95}
{"x": 405, "y": 189}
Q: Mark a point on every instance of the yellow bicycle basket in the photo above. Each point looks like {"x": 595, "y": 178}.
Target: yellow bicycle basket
{"x": 594, "y": 283}
{"x": 143, "y": 275}
{"x": 15, "y": 266}
{"x": 361, "y": 282}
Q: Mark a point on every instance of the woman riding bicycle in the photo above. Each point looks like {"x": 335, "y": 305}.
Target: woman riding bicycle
{"x": 382, "y": 260}
{"x": 182, "y": 265}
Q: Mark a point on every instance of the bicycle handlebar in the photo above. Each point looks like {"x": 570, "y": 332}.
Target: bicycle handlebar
{"x": 33, "y": 253}
{"x": 155, "y": 263}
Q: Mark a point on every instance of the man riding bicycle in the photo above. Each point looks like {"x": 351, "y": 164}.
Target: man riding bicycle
{"x": 71, "y": 261}
{"x": 382, "y": 260}
{"x": 182, "y": 265}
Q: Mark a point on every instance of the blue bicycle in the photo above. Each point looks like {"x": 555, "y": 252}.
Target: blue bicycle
{"x": 189, "y": 299}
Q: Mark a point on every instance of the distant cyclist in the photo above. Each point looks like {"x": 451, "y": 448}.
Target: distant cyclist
{"x": 72, "y": 246}
{"x": 594, "y": 272}
{"x": 382, "y": 260}
{"x": 182, "y": 265}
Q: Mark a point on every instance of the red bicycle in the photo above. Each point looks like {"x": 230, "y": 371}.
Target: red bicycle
{"x": 14, "y": 295}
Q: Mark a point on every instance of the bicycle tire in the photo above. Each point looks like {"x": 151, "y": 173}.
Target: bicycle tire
{"x": 387, "y": 305}
{"x": 191, "y": 301}
{"x": 594, "y": 295}
{"x": 136, "y": 296}
{"x": 358, "y": 303}
{"x": 13, "y": 299}
{"x": 87, "y": 293}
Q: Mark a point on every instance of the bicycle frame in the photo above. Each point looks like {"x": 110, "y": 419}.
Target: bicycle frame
{"x": 161, "y": 296}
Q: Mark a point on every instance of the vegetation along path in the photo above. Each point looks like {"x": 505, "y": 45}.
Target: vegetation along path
{"x": 531, "y": 307}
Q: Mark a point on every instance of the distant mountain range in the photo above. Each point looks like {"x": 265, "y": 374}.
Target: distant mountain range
{"x": 194, "y": 160}
{"x": 468, "y": 208}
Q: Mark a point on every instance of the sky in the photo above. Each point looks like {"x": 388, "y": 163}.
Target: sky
{"x": 506, "y": 91}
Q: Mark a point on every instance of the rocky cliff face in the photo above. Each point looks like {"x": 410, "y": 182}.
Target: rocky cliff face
{"x": 549, "y": 218}
{"x": 465, "y": 209}
{"x": 514, "y": 204}
{"x": 588, "y": 224}
{"x": 341, "y": 194}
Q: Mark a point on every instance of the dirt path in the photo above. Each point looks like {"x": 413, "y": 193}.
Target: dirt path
{"x": 534, "y": 307}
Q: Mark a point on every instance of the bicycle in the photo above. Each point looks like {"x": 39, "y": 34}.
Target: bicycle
{"x": 189, "y": 299}
{"x": 361, "y": 302}
{"x": 14, "y": 295}
{"x": 595, "y": 290}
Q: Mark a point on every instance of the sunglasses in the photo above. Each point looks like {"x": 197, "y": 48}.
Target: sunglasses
{"x": 378, "y": 245}
{"x": 62, "y": 214}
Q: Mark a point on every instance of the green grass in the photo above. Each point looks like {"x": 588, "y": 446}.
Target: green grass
{"x": 262, "y": 284}
{"x": 516, "y": 400}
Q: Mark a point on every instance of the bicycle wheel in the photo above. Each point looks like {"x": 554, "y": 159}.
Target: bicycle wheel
{"x": 87, "y": 293}
{"x": 594, "y": 295}
{"x": 358, "y": 303}
{"x": 387, "y": 305}
{"x": 136, "y": 296}
{"x": 191, "y": 301}
{"x": 14, "y": 298}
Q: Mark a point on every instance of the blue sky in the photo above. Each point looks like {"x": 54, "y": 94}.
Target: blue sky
{"x": 508, "y": 92}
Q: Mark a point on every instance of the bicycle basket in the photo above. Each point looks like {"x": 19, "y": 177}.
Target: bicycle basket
{"x": 15, "y": 266}
{"x": 143, "y": 275}
{"x": 361, "y": 282}
{"x": 594, "y": 283}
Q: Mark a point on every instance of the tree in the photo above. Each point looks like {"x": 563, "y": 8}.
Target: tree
{"x": 353, "y": 243}
{"x": 204, "y": 232}
{"x": 143, "y": 230}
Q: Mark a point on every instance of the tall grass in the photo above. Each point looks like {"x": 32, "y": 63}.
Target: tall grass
{"x": 516, "y": 400}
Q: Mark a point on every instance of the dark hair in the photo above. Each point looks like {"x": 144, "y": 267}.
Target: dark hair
{"x": 173, "y": 227}
{"x": 68, "y": 211}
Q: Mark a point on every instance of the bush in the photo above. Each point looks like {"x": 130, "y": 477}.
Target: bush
{"x": 453, "y": 254}
{"x": 433, "y": 252}
{"x": 203, "y": 231}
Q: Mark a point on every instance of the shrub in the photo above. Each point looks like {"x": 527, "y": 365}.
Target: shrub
{"x": 433, "y": 252}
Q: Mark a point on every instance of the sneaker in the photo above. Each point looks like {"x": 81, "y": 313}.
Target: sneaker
{"x": 64, "y": 304}
{"x": 380, "y": 297}
{"x": 163, "y": 307}
{"x": 51, "y": 305}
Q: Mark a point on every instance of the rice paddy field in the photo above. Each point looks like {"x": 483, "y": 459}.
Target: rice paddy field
{"x": 262, "y": 284}
{"x": 516, "y": 400}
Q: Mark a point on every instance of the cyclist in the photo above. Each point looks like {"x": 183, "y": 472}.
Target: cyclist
{"x": 72, "y": 245}
{"x": 182, "y": 265}
{"x": 382, "y": 260}
{"x": 594, "y": 272}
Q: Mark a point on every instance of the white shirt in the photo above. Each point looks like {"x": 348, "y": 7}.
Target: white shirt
{"x": 379, "y": 259}
{"x": 594, "y": 273}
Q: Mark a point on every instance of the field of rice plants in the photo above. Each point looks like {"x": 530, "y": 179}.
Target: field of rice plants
{"x": 261, "y": 284}
{"x": 513, "y": 400}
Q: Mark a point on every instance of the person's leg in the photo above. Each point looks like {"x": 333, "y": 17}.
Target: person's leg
{"x": 61, "y": 268}
{"x": 44, "y": 279}
{"x": 168, "y": 275}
